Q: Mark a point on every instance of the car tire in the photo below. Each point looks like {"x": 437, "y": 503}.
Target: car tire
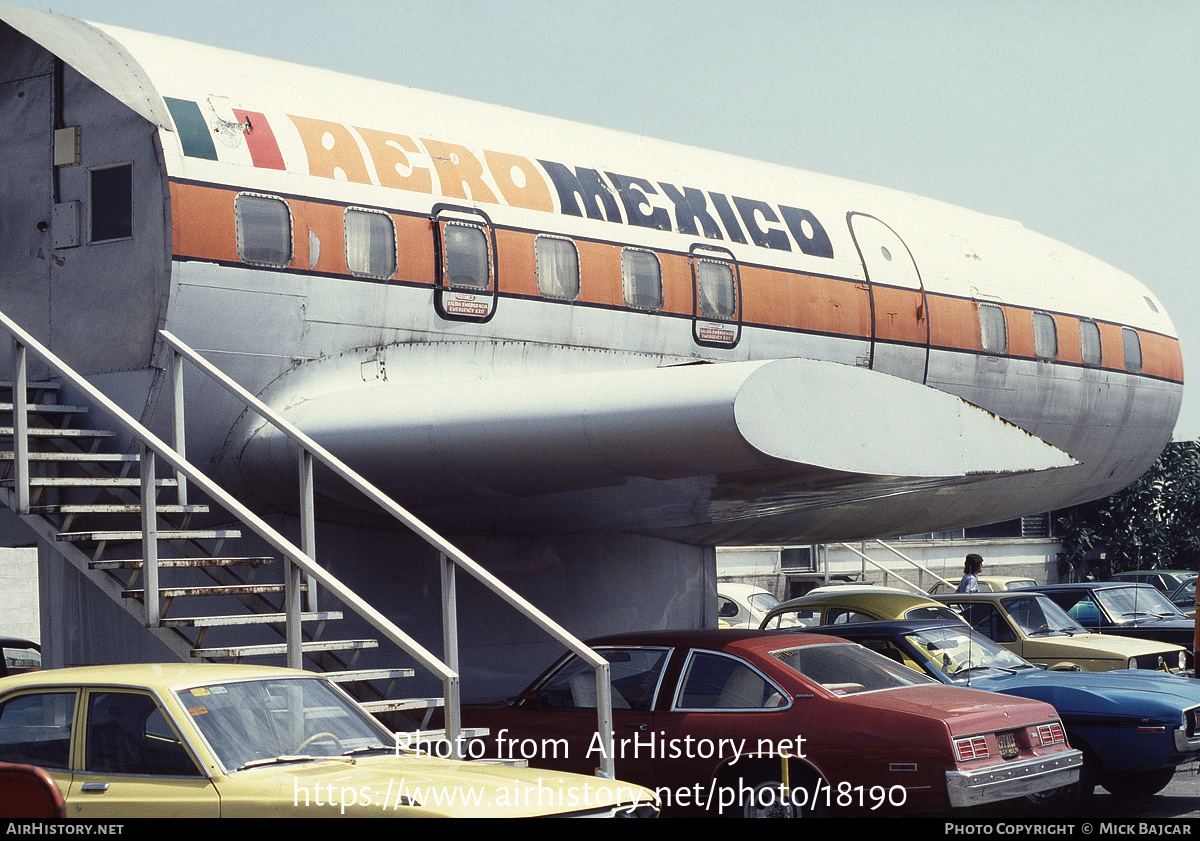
{"x": 1067, "y": 799}
{"x": 1138, "y": 783}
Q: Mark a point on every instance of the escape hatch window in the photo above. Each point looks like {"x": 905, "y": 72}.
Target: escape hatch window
{"x": 1045, "y": 336}
{"x": 111, "y": 190}
{"x": 993, "y": 334}
{"x": 716, "y": 292}
{"x": 466, "y": 259}
{"x": 1089, "y": 342}
{"x": 370, "y": 243}
{"x": 1133, "y": 350}
{"x": 264, "y": 230}
{"x": 557, "y": 268}
{"x": 641, "y": 279}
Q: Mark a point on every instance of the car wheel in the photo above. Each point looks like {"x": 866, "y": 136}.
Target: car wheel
{"x": 764, "y": 797}
{"x": 1066, "y": 799}
{"x": 1138, "y": 783}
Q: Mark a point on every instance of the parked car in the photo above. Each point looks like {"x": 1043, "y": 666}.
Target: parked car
{"x": 18, "y": 656}
{"x": 204, "y": 740}
{"x": 708, "y": 717}
{"x": 845, "y": 604}
{"x": 1164, "y": 580}
{"x": 987, "y": 584}
{"x": 1184, "y": 598}
{"x": 1033, "y": 627}
{"x": 1131, "y": 610}
{"x": 742, "y": 605}
{"x": 1134, "y": 727}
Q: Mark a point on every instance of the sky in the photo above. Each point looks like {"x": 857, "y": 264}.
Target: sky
{"x": 1077, "y": 118}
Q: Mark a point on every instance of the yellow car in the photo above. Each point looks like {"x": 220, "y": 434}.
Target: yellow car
{"x": 839, "y": 605}
{"x": 987, "y": 584}
{"x": 1032, "y": 626}
{"x": 203, "y": 740}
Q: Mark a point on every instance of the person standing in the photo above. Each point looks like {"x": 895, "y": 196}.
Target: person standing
{"x": 971, "y": 570}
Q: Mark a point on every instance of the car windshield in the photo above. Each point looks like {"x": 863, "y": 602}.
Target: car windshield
{"x": 1130, "y": 604}
{"x": 961, "y": 655}
{"x": 763, "y": 601}
{"x": 1037, "y": 616}
{"x": 848, "y": 669}
{"x": 246, "y": 722}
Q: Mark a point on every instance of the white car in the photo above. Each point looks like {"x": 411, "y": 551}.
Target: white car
{"x": 742, "y": 605}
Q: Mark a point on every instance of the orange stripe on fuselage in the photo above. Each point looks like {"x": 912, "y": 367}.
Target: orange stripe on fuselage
{"x": 204, "y": 229}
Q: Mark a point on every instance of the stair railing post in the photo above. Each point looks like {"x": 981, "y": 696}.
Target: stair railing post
{"x": 149, "y": 537}
{"x": 178, "y": 433}
{"x": 291, "y": 608}
{"x": 20, "y": 396}
{"x": 308, "y": 521}
{"x": 451, "y": 700}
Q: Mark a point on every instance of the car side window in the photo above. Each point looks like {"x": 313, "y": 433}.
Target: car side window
{"x": 1079, "y": 606}
{"x": 714, "y": 681}
{"x": 635, "y": 677}
{"x": 35, "y": 729}
{"x": 988, "y": 621}
{"x": 846, "y": 616}
{"x": 127, "y": 733}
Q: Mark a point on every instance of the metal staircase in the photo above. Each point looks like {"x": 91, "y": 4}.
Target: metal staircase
{"x": 101, "y": 510}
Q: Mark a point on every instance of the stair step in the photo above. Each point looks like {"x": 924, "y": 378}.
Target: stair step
{"x": 281, "y": 648}
{"x": 116, "y": 508}
{"x": 246, "y": 619}
{"x": 48, "y": 432}
{"x": 47, "y": 408}
{"x": 31, "y": 385}
{"x": 137, "y": 563}
{"x": 8, "y": 455}
{"x": 368, "y": 674}
{"x": 116, "y": 536}
{"x": 90, "y": 482}
{"x": 212, "y": 590}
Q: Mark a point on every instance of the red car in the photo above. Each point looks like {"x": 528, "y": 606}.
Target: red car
{"x": 707, "y": 717}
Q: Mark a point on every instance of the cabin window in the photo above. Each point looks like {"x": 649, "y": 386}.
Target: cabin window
{"x": 264, "y": 230}
{"x": 1089, "y": 342}
{"x": 993, "y": 335}
{"x": 466, "y": 259}
{"x": 642, "y": 279}
{"x": 716, "y": 292}
{"x": 1045, "y": 336}
{"x": 370, "y": 243}
{"x": 557, "y": 268}
{"x": 111, "y": 203}
{"x": 1133, "y": 350}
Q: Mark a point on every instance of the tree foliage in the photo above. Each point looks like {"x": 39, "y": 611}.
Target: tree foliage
{"x": 1152, "y": 524}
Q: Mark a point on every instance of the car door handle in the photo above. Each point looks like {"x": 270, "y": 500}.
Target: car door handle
{"x": 101, "y": 787}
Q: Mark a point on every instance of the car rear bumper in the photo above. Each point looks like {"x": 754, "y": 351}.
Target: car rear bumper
{"x": 1013, "y": 779}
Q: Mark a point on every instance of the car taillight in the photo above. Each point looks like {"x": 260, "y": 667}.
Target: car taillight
{"x": 1051, "y": 734}
{"x": 973, "y": 747}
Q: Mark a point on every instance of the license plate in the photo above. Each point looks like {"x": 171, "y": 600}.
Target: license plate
{"x": 1008, "y": 744}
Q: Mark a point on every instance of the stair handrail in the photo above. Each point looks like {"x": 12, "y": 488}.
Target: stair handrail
{"x": 23, "y": 343}
{"x": 309, "y": 448}
{"x": 915, "y": 588}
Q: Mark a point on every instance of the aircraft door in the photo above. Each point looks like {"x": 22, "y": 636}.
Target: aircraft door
{"x": 899, "y": 315}
{"x": 717, "y": 298}
{"x": 465, "y": 289}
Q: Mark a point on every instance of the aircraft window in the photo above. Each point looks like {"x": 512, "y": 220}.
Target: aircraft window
{"x": 1133, "y": 350}
{"x": 112, "y": 203}
{"x": 992, "y": 331}
{"x": 370, "y": 243}
{"x": 264, "y": 230}
{"x": 642, "y": 279}
{"x": 466, "y": 258}
{"x": 716, "y": 293}
{"x": 1089, "y": 340}
{"x": 1045, "y": 336}
{"x": 557, "y": 268}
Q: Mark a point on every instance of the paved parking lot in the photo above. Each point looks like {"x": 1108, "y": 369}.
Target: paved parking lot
{"x": 1181, "y": 799}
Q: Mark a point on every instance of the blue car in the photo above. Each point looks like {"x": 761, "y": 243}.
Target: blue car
{"x": 1134, "y": 726}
